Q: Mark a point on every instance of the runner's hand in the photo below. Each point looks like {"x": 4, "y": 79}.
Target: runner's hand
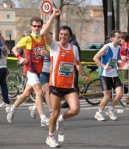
{"x": 85, "y": 78}
{"x": 123, "y": 58}
{"x": 43, "y": 53}
{"x": 22, "y": 61}
{"x": 106, "y": 67}
{"x": 56, "y": 12}
{"x": 4, "y": 48}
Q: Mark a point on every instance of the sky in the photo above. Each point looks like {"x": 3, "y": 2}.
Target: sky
{"x": 95, "y": 2}
{"x": 89, "y": 2}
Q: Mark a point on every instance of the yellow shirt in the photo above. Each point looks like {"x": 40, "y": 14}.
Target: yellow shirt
{"x": 26, "y": 42}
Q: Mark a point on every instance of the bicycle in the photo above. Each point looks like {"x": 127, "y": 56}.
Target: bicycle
{"x": 16, "y": 83}
{"x": 92, "y": 91}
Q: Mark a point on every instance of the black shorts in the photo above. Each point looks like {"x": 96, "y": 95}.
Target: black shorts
{"x": 61, "y": 91}
{"x": 110, "y": 82}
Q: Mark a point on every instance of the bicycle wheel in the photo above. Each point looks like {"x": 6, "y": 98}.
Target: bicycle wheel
{"x": 13, "y": 82}
{"x": 94, "y": 92}
{"x": 32, "y": 97}
{"x": 122, "y": 101}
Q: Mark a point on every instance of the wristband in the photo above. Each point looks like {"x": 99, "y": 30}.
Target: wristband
{"x": 19, "y": 56}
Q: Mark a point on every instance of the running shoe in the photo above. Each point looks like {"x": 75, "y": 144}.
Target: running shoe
{"x": 7, "y": 109}
{"x": 3, "y": 105}
{"x": 44, "y": 122}
{"x": 51, "y": 142}
{"x": 99, "y": 116}
{"x": 32, "y": 112}
{"x": 111, "y": 114}
{"x": 10, "y": 116}
{"x": 60, "y": 127}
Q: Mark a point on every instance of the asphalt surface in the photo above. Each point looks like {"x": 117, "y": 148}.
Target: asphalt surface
{"x": 81, "y": 132}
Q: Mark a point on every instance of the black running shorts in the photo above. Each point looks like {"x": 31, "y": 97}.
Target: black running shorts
{"x": 61, "y": 91}
{"x": 110, "y": 82}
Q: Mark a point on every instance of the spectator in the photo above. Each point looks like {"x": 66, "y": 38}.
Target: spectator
{"x": 125, "y": 53}
{"x": 3, "y": 72}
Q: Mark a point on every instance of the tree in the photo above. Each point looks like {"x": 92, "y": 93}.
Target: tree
{"x": 57, "y": 4}
{"x": 60, "y": 4}
{"x": 84, "y": 16}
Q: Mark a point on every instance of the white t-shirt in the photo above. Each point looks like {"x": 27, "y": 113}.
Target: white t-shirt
{"x": 3, "y": 60}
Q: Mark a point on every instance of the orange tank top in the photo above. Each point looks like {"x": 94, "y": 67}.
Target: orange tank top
{"x": 62, "y": 69}
{"x": 35, "y": 61}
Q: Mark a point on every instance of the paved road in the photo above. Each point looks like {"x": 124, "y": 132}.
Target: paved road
{"x": 81, "y": 132}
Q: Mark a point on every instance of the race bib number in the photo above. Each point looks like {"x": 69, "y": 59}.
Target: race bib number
{"x": 37, "y": 52}
{"x": 65, "y": 69}
{"x": 113, "y": 63}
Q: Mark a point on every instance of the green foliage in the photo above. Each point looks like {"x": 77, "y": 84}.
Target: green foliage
{"x": 90, "y": 75}
{"x": 12, "y": 65}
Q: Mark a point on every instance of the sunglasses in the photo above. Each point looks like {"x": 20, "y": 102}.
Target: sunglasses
{"x": 39, "y": 26}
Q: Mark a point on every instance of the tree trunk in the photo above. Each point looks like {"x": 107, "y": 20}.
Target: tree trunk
{"x": 57, "y": 21}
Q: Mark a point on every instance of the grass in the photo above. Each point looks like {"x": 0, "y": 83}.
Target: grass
{"x": 12, "y": 65}
{"x": 92, "y": 75}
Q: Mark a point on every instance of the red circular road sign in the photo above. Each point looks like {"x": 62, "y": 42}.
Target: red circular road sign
{"x": 46, "y": 7}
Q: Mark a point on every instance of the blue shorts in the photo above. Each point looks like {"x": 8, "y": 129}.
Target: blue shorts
{"x": 44, "y": 77}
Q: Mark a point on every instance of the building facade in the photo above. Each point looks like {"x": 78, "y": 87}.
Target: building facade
{"x": 87, "y": 23}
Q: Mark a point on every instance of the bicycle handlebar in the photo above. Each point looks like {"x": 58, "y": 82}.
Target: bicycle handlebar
{"x": 92, "y": 68}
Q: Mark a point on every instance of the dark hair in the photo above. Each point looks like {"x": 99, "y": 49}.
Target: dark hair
{"x": 36, "y": 19}
{"x": 65, "y": 27}
{"x": 112, "y": 33}
{"x": 126, "y": 37}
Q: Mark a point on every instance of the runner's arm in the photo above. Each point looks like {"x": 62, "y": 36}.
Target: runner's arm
{"x": 48, "y": 26}
{"x": 81, "y": 70}
{"x": 98, "y": 56}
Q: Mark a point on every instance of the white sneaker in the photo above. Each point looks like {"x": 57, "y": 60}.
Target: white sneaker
{"x": 60, "y": 127}
{"x": 7, "y": 109}
{"x": 51, "y": 142}
{"x": 44, "y": 122}
{"x": 111, "y": 114}
{"x": 32, "y": 112}
{"x": 10, "y": 115}
{"x": 99, "y": 116}
{"x": 3, "y": 105}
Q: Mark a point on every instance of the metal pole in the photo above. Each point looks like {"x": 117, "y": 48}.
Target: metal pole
{"x": 109, "y": 16}
{"x": 10, "y": 43}
{"x": 128, "y": 20}
{"x": 127, "y": 3}
{"x": 128, "y": 15}
{"x": 118, "y": 14}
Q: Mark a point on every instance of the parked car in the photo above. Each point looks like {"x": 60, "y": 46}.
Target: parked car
{"x": 92, "y": 46}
